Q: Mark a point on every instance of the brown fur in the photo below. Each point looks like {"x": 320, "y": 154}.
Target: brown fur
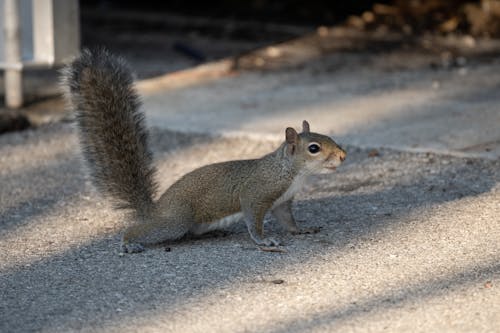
{"x": 100, "y": 89}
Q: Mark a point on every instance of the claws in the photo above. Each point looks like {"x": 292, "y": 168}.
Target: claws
{"x": 269, "y": 242}
{"x": 271, "y": 249}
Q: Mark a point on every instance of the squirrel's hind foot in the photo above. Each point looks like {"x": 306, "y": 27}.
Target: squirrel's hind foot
{"x": 132, "y": 248}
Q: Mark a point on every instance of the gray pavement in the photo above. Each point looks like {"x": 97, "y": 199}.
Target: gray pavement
{"x": 410, "y": 238}
{"x": 390, "y": 100}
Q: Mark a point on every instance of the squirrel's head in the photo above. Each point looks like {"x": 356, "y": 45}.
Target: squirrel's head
{"x": 315, "y": 151}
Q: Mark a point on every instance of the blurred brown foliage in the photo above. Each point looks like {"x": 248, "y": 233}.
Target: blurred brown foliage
{"x": 478, "y": 18}
{"x": 474, "y": 17}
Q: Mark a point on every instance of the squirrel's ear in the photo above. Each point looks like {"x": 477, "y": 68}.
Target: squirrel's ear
{"x": 291, "y": 139}
{"x": 291, "y": 135}
{"x": 305, "y": 127}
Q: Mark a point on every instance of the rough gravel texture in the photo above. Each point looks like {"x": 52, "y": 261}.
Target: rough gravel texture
{"x": 409, "y": 242}
{"x": 410, "y": 231}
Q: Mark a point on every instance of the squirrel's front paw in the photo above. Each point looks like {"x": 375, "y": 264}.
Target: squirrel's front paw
{"x": 269, "y": 242}
{"x": 132, "y": 247}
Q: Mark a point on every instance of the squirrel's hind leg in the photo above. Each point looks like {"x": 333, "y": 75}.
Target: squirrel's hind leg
{"x": 128, "y": 247}
{"x": 138, "y": 235}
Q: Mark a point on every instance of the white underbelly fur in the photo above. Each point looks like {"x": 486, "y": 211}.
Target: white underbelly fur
{"x": 216, "y": 225}
{"x": 297, "y": 184}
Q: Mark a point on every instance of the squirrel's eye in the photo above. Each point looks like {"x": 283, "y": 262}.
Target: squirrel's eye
{"x": 314, "y": 148}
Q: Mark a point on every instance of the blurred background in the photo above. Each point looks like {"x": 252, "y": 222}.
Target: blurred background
{"x": 161, "y": 37}
{"x": 479, "y": 17}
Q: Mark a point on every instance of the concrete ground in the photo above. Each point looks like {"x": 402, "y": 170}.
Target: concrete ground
{"x": 410, "y": 224}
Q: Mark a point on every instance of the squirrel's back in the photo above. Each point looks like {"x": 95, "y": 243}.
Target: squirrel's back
{"x": 100, "y": 89}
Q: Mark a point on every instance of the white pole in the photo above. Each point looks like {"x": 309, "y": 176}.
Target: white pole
{"x": 13, "y": 77}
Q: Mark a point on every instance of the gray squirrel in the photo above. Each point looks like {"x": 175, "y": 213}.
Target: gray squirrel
{"x": 99, "y": 87}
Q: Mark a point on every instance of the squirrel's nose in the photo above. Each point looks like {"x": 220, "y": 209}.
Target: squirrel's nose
{"x": 342, "y": 156}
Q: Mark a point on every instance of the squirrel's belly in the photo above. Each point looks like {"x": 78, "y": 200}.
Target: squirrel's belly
{"x": 201, "y": 228}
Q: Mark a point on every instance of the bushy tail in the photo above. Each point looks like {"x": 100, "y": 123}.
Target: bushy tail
{"x": 100, "y": 89}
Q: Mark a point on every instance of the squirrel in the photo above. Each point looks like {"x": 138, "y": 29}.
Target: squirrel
{"x": 99, "y": 88}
